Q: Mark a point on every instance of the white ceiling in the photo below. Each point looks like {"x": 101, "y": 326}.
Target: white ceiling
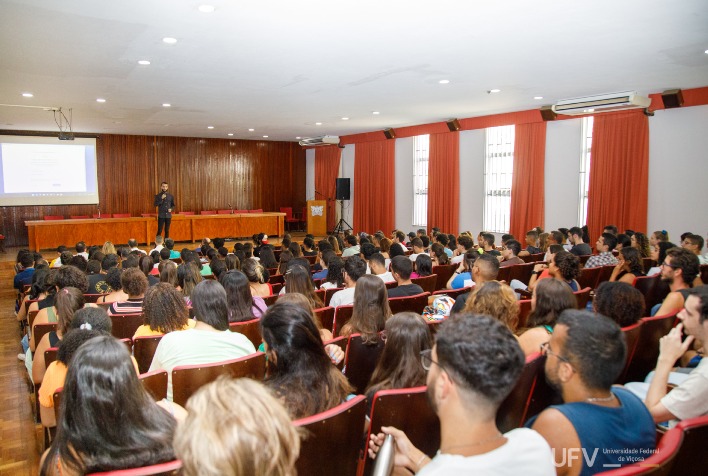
{"x": 279, "y": 66}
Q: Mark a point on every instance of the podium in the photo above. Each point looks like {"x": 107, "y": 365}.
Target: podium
{"x": 317, "y": 217}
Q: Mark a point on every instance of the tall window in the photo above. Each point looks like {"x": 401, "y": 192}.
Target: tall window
{"x": 420, "y": 181}
{"x": 585, "y": 170}
{"x": 498, "y": 170}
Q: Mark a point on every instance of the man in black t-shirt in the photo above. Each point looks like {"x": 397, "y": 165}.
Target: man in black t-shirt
{"x": 401, "y": 268}
{"x": 165, "y": 203}
{"x": 579, "y": 248}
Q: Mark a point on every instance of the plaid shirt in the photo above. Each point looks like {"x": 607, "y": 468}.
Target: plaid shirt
{"x": 605, "y": 258}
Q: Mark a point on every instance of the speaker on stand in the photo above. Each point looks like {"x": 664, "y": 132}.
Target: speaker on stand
{"x": 343, "y": 193}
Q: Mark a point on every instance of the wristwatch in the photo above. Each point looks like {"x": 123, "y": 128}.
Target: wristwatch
{"x": 534, "y": 272}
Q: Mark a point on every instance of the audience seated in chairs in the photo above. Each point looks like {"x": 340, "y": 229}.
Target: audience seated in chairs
{"x": 242, "y": 304}
{"x": 237, "y": 428}
{"x": 134, "y": 283}
{"x": 377, "y": 264}
{"x": 209, "y": 341}
{"x": 585, "y": 355}
{"x": 629, "y": 266}
{"x": 550, "y": 298}
{"x": 485, "y": 268}
{"x": 165, "y": 312}
{"x": 422, "y": 266}
{"x": 298, "y": 279}
{"x": 300, "y": 373}
{"x": 354, "y": 268}
{"x": 407, "y": 335}
{"x": 91, "y": 434}
{"x": 466, "y": 398}
{"x": 679, "y": 269}
{"x": 401, "y": 268}
{"x": 371, "y": 309}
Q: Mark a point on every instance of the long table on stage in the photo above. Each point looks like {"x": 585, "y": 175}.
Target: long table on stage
{"x": 47, "y": 234}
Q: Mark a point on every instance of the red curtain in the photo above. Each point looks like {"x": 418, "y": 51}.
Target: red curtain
{"x": 527, "y": 187}
{"x": 374, "y": 186}
{"x": 326, "y": 172}
{"x": 444, "y": 182}
{"x": 619, "y": 172}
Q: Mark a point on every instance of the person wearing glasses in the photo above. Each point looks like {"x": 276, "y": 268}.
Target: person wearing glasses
{"x": 466, "y": 399}
{"x": 679, "y": 269}
{"x": 584, "y": 356}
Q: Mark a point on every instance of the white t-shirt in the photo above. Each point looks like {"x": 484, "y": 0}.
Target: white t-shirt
{"x": 387, "y": 277}
{"x": 525, "y": 452}
{"x": 197, "y": 346}
{"x": 345, "y": 297}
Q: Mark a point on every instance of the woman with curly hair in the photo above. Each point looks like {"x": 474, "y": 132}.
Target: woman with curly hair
{"x": 335, "y": 274}
{"x": 298, "y": 280}
{"x": 165, "y": 311}
{"x": 565, "y": 267}
{"x": 550, "y": 298}
{"x": 629, "y": 266}
{"x": 621, "y": 302}
{"x": 640, "y": 241}
{"x": 371, "y": 309}
{"x": 497, "y": 300}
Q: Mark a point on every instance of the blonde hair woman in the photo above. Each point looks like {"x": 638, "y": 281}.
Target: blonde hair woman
{"x": 497, "y": 300}
{"x": 108, "y": 248}
{"x": 234, "y": 428}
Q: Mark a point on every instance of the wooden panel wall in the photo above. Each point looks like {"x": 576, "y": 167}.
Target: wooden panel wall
{"x": 204, "y": 174}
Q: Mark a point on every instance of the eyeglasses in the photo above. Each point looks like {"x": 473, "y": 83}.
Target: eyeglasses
{"x": 669, "y": 265}
{"x": 426, "y": 359}
{"x": 546, "y": 350}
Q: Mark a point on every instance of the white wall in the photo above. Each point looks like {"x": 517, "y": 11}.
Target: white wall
{"x": 678, "y": 171}
{"x": 405, "y": 151}
{"x": 347, "y": 170}
{"x": 310, "y": 175}
{"x": 562, "y": 173}
{"x": 471, "y": 181}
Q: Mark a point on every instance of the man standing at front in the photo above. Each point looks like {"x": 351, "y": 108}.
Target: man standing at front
{"x": 165, "y": 203}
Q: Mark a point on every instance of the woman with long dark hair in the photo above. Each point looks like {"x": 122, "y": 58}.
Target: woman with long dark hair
{"x": 550, "y": 298}
{"x": 407, "y": 335}
{"x": 242, "y": 304}
{"x": 107, "y": 420}
{"x": 300, "y": 372}
{"x": 629, "y": 266}
{"x": 298, "y": 280}
{"x": 371, "y": 309}
{"x": 267, "y": 257}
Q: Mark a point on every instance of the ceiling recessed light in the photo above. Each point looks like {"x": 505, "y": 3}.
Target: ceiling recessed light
{"x": 298, "y": 138}
{"x": 206, "y": 8}
{"x": 169, "y": 40}
{"x": 100, "y": 100}
{"x": 376, "y": 113}
{"x": 538, "y": 97}
{"x": 706, "y": 52}
{"x": 230, "y": 133}
{"x": 210, "y": 127}
{"x": 444, "y": 81}
{"x": 589, "y": 110}
{"x": 345, "y": 118}
{"x": 251, "y": 130}
{"x": 491, "y": 91}
{"x": 318, "y": 123}
{"x": 28, "y": 95}
{"x": 144, "y": 62}
{"x": 166, "y": 104}
{"x": 265, "y": 137}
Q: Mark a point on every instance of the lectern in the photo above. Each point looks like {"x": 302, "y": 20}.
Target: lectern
{"x": 317, "y": 217}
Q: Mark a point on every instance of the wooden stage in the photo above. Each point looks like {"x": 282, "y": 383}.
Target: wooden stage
{"x": 48, "y": 234}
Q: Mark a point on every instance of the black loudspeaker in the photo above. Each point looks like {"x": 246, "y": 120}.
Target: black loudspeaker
{"x": 548, "y": 114}
{"x": 672, "y": 98}
{"x": 453, "y": 125}
{"x": 343, "y": 189}
{"x": 390, "y": 134}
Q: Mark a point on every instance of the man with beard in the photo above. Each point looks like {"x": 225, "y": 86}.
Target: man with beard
{"x": 597, "y": 425}
{"x": 472, "y": 367}
{"x": 679, "y": 270}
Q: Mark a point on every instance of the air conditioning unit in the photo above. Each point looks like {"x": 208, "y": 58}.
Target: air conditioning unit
{"x": 322, "y": 140}
{"x": 601, "y": 103}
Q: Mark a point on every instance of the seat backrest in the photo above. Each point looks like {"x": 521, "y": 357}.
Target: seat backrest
{"x": 155, "y": 383}
{"x": 647, "y": 264}
{"x": 240, "y": 211}
{"x": 39, "y": 330}
{"x": 647, "y": 350}
{"x": 288, "y": 212}
{"x": 653, "y": 289}
{"x": 125, "y": 325}
{"x": 360, "y": 361}
{"x": 583, "y": 259}
{"x": 504, "y": 273}
{"x": 326, "y": 316}
{"x": 522, "y": 272}
{"x": 524, "y": 312}
{"x": 270, "y": 300}
{"x": 428, "y": 283}
{"x": 340, "y": 342}
{"x": 395, "y": 408}
{"x": 102, "y": 215}
{"x": 320, "y": 293}
{"x": 185, "y": 213}
{"x": 332, "y": 441}
{"x": 329, "y": 293}
{"x": 276, "y": 279}
{"x": 257, "y": 210}
{"x": 148, "y": 215}
{"x": 92, "y": 298}
{"x": 50, "y": 355}
{"x": 30, "y": 318}
{"x": 691, "y": 458}
{"x": 121, "y": 215}
{"x": 704, "y": 273}
{"x": 79, "y": 217}
{"x": 582, "y": 297}
{"x": 162, "y": 469}
{"x": 342, "y": 315}
{"x": 512, "y": 412}
{"x": 53, "y": 217}
{"x": 250, "y": 329}
{"x": 443, "y": 272}
{"x": 605, "y": 274}
{"x": 454, "y": 293}
{"x": 207, "y": 212}
{"x": 144, "y": 350}
{"x": 188, "y": 378}
{"x": 415, "y": 303}
{"x": 588, "y": 277}
{"x": 223, "y": 212}
{"x": 631, "y": 337}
